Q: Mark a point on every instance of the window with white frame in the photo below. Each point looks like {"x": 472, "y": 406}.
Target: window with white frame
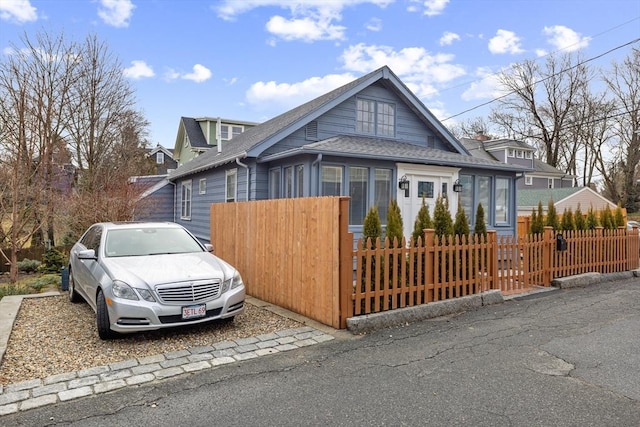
{"x": 288, "y": 181}
{"x": 511, "y": 152}
{"x": 202, "y": 186}
{"x": 375, "y": 117}
{"x": 528, "y": 180}
{"x": 503, "y": 200}
{"x": 228, "y": 132}
{"x": 331, "y": 181}
{"x": 159, "y": 157}
{"x": 382, "y": 190}
{"x": 232, "y": 185}
{"x": 274, "y": 183}
{"x": 300, "y": 181}
{"x": 358, "y": 191}
{"x": 528, "y": 155}
{"x": 185, "y": 199}
{"x": 520, "y": 154}
{"x": 550, "y": 183}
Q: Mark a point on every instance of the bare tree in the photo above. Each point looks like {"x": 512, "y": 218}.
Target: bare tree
{"x": 540, "y": 102}
{"x": 622, "y": 172}
{"x": 470, "y": 128}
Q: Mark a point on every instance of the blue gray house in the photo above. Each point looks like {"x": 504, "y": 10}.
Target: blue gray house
{"x": 371, "y": 139}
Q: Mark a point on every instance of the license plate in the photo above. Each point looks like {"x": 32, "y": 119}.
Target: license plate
{"x": 194, "y": 311}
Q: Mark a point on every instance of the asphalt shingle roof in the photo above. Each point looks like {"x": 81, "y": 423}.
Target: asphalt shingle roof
{"x": 533, "y": 196}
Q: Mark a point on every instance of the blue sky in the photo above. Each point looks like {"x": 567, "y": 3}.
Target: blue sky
{"x": 253, "y": 59}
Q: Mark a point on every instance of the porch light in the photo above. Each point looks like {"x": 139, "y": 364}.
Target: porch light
{"x": 403, "y": 183}
{"x": 457, "y": 186}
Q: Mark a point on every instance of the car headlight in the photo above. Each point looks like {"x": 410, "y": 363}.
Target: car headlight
{"x": 122, "y": 290}
{"x": 236, "y": 281}
{"x": 146, "y": 294}
{"x": 232, "y": 282}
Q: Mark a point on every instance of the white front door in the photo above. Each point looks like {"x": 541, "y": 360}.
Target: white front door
{"x": 425, "y": 183}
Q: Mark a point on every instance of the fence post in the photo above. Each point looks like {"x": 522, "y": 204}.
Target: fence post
{"x": 492, "y": 262}
{"x": 548, "y": 250}
{"x": 345, "y": 281}
{"x": 429, "y": 282}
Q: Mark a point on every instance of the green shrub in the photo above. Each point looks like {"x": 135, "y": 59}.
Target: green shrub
{"x": 579, "y": 220}
{"x": 480, "y": 227}
{"x": 423, "y": 222}
{"x": 28, "y": 265}
{"x": 43, "y": 281}
{"x": 461, "y": 224}
{"x": 537, "y": 220}
{"x": 371, "y": 228}
{"x": 552, "y": 216}
{"x": 592, "y": 219}
{"x": 606, "y": 218}
{"x": 394, "y": 224}
{"x": 442, "y": 222}
{"x": 52, "y": 261}
{"x": 567, "y": 223}
{"x": 618, "y": 217}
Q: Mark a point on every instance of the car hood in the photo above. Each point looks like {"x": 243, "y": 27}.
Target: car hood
{"x": 159, "y": 269}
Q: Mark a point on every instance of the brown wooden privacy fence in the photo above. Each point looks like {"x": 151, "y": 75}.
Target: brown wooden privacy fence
{"x": 288, "y": 251}
{"x": 299, "y": 254}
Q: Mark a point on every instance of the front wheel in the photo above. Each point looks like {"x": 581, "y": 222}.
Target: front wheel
{"x": 73, "y": 295}
{"x": 102, "y": 318}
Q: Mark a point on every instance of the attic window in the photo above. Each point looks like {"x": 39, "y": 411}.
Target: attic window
{"x": 375, "y": 117}
{"x": 528, "y": 180}
{"x": 311, "y": 131}
{"x": 228, "y": 132}
{"x": 159, "y": 157}
{"x": 431, "y": 141}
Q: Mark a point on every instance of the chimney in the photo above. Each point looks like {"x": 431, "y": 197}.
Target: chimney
{"x": 481, "y": 137}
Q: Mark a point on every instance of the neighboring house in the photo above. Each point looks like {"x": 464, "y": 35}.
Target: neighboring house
{"x": 196, "y": 136}
{"x": 519, "y": 153}
{"x": 157, "y": 199}
{"x": 371, "y": 139}
{"x": 162, "y": 159}
{"x": 563, "y": 198}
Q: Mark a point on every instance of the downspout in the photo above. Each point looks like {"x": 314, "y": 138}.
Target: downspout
{"x": 247, "y": 168}
{"x": 219, "y": 135}
{"x": 175, "y": 200}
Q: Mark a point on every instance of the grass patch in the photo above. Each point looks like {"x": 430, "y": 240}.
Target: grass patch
{"x": 30, "y": 285}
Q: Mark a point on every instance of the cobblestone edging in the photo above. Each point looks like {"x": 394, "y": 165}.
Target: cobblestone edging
{"x": 35, "y": 393}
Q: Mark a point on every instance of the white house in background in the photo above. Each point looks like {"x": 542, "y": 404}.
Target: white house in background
{"x": 563, "y": 198}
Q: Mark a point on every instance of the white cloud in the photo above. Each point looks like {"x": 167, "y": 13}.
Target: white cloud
{"x": 505, "y": 42}
{"x": 308, "y": 20}
{"x": 448, "y": 38}
{"x": 289, "y": 95}
{"x": 541, "y": 52}
{"x": 431, "y": 7}
{"x": 374, "y": 24}
{"x": 116, "y": 12}
{"x": 18, "y": 11}
{"x": 200, "y": 74}
{"x": 563, "y": 38}
{"x": 486, "y": 87}
{"x": 419, "y": 69}
{"x": 306, "y": 29}
{"x": 138, "y": 70}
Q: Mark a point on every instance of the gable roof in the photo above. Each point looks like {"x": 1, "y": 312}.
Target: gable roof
{"x": 363, "y": 147}
{"x": 194, "y": 133}
{"x": 159, "y": 147}
{"x": 530, "y": 198}
{"x": 254, "y": 141}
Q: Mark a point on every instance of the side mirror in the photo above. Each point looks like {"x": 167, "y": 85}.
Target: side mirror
{"x": 208, "y": 247}
{"x": 87, "y": 254}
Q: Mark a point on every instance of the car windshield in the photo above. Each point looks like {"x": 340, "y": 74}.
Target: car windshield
{"x": 149, "y": 241}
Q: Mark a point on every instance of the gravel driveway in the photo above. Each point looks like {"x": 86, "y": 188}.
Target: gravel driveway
{"x": 52, "y": 336}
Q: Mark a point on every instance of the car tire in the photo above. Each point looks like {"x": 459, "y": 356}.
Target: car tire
{"x": 102, "y": 318}
{"x": 73, "y": 295}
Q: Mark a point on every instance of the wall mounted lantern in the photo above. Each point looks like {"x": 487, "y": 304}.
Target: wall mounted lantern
{"x": 457, "y": 186}
{"x": 403, "y": 183}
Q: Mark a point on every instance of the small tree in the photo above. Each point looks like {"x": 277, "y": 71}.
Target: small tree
{"x": 372, "y": 228}
{"x": 394, "y": 224}
{"x": 619, "y": 217}
{"x": 461, "y": 224}
{"x": 552, "y": 216}
{"x": 592, "y": 219}
{"x": 579, "y": 220}
{"x": 422, "y": 222}
{"x": 480, "y": 227}
{"x": 606, "y": 218}
{"x": 567, "y": 223}
{"x": 442, "y": 222}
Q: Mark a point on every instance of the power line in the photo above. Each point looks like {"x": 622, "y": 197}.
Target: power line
{"x": 546, "y": 78}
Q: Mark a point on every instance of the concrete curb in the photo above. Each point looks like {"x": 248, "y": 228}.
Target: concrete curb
{"x": 401, "y": 316}
{"x": 588, "y": 279}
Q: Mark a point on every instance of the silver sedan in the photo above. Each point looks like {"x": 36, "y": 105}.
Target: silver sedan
{"x": 145, "y": 276}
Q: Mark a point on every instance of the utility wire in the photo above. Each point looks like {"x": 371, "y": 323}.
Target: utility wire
{"x": 544, "y": 79}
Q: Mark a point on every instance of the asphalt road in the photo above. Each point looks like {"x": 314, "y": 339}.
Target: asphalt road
{"x": 562, "y": 358}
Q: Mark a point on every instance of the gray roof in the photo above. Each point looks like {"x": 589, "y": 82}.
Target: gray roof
{"x": 507, "y": 143}
{"x": 533, "y": 196}
{"x": 194, "y": 133}
{"x": 379, "y": 148}
{"x": 252, "y": 142}
{"x": 476, "y": 148}
{"x": 547, "y": 169}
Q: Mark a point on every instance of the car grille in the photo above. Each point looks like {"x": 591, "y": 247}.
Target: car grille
{"x": 189, "y": 292}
